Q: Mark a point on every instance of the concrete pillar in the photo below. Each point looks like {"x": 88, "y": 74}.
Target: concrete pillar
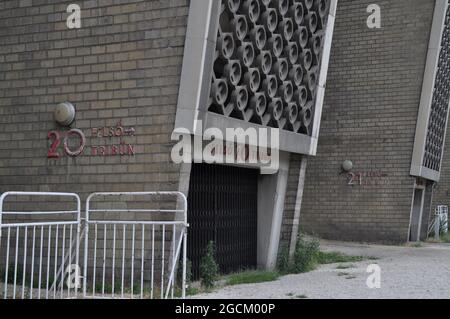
{"x": 271, "y": 196}
{"x": 298, "y": 206}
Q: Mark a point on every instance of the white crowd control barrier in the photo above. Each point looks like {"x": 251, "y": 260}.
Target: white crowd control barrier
{"x": 439, "y": 222}
{"x": 37, "y": 245}
{"x": 134, "y": 257}
{"x": 130, "y": 251}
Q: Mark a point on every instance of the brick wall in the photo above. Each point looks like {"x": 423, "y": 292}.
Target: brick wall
{"x": 122, "y": 65}
{"x": 371, "y": 104}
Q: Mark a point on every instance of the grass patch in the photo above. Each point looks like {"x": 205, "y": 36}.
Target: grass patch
{"x": 190, "y": 291}
{"x": 19, "y": 278}
{"x": 252, "y": 277}
{"x": 324, "y": 258}
{"x": 445, "y": 238}
{"x": 308, "y": 256}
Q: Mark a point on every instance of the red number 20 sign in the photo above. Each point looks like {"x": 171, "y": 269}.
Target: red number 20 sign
{"x": 56, "y": 139}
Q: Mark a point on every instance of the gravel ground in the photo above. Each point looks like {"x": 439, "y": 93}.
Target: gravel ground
{"x": 406, "y": 272}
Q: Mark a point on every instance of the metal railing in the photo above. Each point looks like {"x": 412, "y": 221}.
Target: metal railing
{"x": 439, "y": 222}
{"x": 132, "y": 258}
{"x": 126, "y": 257}
{"x": 34, "y": 250}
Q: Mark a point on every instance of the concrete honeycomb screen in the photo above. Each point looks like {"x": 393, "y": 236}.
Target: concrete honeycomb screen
{"x": 440, "y": 103}
{"x": 267, "y": 61}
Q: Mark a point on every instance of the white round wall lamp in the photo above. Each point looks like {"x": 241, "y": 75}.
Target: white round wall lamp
{"x": 64, "y": 113}
{"x": 347, "y": 165}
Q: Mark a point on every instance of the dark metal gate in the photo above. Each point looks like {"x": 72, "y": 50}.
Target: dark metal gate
{"x": 222, "y": 207}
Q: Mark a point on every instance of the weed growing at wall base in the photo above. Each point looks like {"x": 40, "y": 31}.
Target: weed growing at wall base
{"x": 208, "y": 267}
{"x": 305, "y": 255}
{"x": 308, "y": 256}
{"x": 252, "y": 276}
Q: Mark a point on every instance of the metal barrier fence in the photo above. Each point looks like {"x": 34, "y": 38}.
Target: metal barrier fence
{"x": 124, "y": 262}
{"x": 125, "y": 257}
{"x": 439, "y": 222}
{"x": 35, "y": 253}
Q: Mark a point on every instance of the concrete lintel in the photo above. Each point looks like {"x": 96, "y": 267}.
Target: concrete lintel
{"x": 289, "y": 141}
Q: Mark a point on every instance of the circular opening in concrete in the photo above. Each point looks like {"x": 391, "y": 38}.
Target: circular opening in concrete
{"x": 254, "y": 10}
{"x": 298, "y": 13}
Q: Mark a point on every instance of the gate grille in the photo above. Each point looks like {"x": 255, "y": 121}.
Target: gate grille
{"x": 222, "y": 207}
